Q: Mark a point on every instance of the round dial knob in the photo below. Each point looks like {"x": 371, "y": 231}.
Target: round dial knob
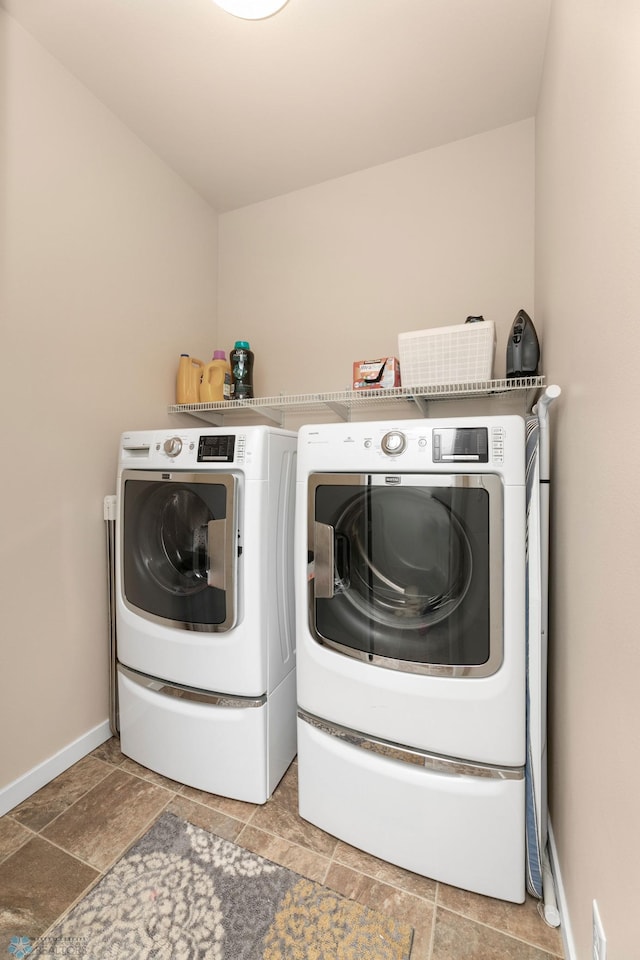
{"x": 393, "y": 442}
{"x": 173, "y": 446}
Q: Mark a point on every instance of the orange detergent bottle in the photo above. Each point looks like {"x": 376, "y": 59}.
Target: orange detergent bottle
{"x": 215, "y": 385}
{"x": 188, "y": 379}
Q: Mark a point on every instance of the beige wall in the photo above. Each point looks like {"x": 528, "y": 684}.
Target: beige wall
{"x": 331, "y": 274}
{"x": 587, "y": 298}
{"x": 107, "y": 272}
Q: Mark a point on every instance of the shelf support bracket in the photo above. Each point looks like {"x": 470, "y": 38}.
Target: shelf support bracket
{"x": 340, "y": 409}
{"x": 423, "y": 405}
{"x": 270, "y": 414}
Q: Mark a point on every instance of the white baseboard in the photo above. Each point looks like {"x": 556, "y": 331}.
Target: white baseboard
{"x": 565, "y": 923}
{"x": 48, "y": 770}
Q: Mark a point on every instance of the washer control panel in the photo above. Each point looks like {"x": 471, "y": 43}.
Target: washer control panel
{"x": 203, "y": 448}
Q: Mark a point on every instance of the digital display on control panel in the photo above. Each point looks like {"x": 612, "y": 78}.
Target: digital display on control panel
{"x": 216, "y": 449}
{"x": 460, "y": 445}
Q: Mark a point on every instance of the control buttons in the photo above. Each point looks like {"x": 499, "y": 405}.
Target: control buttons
{"x": 173, "y": 446}
{"x": 393, "y": 443}
{"x": 497, "y": 444}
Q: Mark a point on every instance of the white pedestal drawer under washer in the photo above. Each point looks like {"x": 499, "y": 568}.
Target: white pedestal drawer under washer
{"x": 204, "y": 606}
{"x": 410, "y": 623}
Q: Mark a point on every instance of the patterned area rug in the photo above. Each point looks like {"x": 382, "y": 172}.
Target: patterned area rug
{"x": 181, "y": 893}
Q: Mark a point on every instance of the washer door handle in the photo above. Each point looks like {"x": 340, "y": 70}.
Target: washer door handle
{"x": 323, "y": 548}
{"x": 217, "y": 554}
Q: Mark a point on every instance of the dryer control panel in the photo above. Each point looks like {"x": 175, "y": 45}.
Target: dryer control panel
{"x": 461, "y": 445}
{"x": 456, "y": 444}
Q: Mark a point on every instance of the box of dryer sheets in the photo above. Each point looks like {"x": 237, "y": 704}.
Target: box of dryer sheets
{"x": 455, "y": 354}
{"x": 376, "y": 374}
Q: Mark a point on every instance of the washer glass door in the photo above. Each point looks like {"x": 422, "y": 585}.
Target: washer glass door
{"x": 407, "y": 572}
{"x": 179, "y": 548}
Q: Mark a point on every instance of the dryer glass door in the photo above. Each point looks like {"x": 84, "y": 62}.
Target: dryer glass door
{"x": 179, "y": 548}
{"x": 407, "y": 572}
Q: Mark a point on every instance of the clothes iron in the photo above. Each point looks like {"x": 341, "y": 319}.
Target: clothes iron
{"x": 523, "y": 349}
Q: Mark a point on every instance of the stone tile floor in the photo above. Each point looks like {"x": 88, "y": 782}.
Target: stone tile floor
{"x": 58, "y": 843}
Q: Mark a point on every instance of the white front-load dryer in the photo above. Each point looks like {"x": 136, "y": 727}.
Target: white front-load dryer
{"x": 204, "y": 606}
{"x": 410, "y": 598}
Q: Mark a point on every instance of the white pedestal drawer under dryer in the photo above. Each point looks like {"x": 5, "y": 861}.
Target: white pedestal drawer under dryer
{"x": 410, "y": 597}
{"x": 204, "y": 606}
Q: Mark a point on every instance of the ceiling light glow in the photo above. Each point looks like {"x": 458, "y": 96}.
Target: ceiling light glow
{"x": 251, "y": 9}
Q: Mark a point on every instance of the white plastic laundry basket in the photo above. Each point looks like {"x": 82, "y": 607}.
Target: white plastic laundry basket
{"x": 454, "y": 354}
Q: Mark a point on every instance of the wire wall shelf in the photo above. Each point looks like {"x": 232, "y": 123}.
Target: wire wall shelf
{"x": 344, "y": 404}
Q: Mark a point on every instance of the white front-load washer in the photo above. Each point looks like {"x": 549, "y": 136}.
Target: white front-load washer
{"x": 410, "y": 597}
{"x": 204, "y": 606}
